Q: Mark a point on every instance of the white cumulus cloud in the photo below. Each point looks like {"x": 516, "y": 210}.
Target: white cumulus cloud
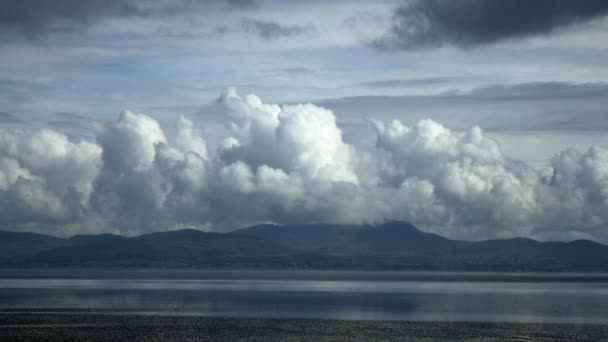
{"x": 289, "y": 163}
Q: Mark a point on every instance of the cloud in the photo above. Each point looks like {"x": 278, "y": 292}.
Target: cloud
{"x": 271, "y": 30}
{"x": 459, "y": 178}
{"x": 75, "y": 126}
{"x": 290, "y": 164}
{"x": 542, "y": 90}
{"x": 241, "y": 4}
{"x": 45, "y": 177}
{"x": 7, "y": 118}
{"x": 295, "y": 138}
{"x": 396, "y": 83}
{"x": 535, "y": 106}
{"x": 32, "y": 17}
{"x": 468, "y": 23}
{"x": 576, "y": 194}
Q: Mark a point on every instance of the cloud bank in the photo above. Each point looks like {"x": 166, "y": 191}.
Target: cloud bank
{"x": 468, "y": 23}
{"x": 35, "y": 17}
{"x": 288, "y": 164}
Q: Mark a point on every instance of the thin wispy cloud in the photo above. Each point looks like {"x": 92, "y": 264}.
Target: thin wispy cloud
{"x": 7, "y": 118}
{"x": 272, "y": 30}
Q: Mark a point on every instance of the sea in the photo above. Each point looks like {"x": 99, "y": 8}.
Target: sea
{"x": 577, "y": 298}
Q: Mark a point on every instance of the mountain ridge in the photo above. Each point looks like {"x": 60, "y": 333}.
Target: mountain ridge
{"x": 392, "y": 245}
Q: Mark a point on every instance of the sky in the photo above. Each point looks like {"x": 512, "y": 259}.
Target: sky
{"x": 474, "y": 119}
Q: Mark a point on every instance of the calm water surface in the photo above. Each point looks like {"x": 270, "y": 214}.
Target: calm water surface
{"x": 436, "y": 296}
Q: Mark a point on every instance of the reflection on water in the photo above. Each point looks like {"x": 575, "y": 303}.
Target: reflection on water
{"x": 324, "y": 295}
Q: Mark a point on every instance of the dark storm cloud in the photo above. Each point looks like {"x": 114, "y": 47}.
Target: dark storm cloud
{"x": 468, "y": 23}
{"x": 271, "y": 30}
{"x": 35, "y": 17}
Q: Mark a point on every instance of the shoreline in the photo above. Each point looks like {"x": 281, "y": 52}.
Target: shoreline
{"x": 37, "y": 325}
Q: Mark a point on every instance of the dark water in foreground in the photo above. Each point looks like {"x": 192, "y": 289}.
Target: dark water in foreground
{"x": 418, "y": 296}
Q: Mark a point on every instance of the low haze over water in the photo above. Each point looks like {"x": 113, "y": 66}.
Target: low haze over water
{"x": 424, "y": 296}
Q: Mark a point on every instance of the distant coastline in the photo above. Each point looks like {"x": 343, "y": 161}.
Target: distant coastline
{"x": 389, "y": 246}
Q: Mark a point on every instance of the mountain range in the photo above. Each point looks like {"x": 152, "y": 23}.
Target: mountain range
{"x": 390, "y": 246}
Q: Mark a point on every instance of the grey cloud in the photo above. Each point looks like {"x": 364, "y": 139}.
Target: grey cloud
{"x": 62, "y": 125}
{"x": 298, "y": 71}
{"x": 7, "y": 118}
{"x": 35, "y": 17}
{"x": 75, "y": 126}
{"x": 241, "y": 4}
{"x": 19, "y": 91}
{"x": 468, "y": 23}
{"x": 395, "y": 83}
{"x": 542, "y": 90}
{"x": 271, "y": 30}
{"x": 539, "y": 106}
{"x": 74, "y": 117}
